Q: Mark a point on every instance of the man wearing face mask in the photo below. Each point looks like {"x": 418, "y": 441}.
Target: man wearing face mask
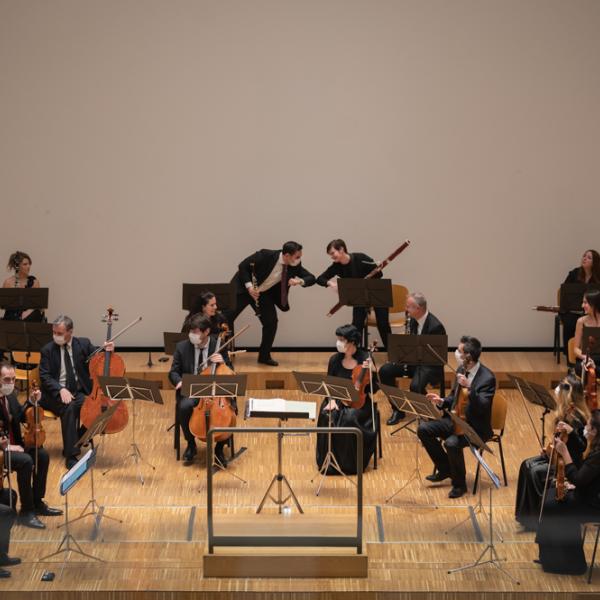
{"x": 189, "y": 355}
{"x": 480, "y": 385}
{"x": 420, "y": 322}
{"x": 31, "y": 481}
{"x": 66, "y": 380}
{"x": 263, "y": 281}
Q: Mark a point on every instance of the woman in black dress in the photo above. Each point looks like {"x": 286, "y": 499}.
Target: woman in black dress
{"x": 20, "y": 263}
{"x": 341, "y": 364}
{"x": 571, "y": 416}
{"x": 559, "y": 533}
{"x": 591, "y": 318}
{"x": 206, "y": 304}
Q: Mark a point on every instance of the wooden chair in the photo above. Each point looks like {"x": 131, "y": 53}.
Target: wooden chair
{"x": 25, "y": 375}
{"x": 571, "y": 351}
{"x": 585, "y": 528}
{"x": 399, "y": 296}
{"x": 498, "y": 420}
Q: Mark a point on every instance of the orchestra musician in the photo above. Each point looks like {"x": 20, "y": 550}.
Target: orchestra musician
{"x": 559, "y": 532}
{"x": 587, "y": 272}
{"x": 420, "y": 322}
{"x": 356, "y": 265}
{"x": 189, "y": 355}
{"x": 205, "y": 304}
{"x": 571, "y": 416}
{"x": 31, "y": 481}
{"x": 591, "y": 318}
{"x": 65, "y": 377}
{"x": 479, "y": 384}
{"x": 20, "y": 263}
{"x": 348, "y": 357}
{"x": 263, "y": 280}
{"x": 8, "y": 517}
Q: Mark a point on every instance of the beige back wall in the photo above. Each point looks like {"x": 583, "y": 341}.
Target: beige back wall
{"x": 147, "y": 143}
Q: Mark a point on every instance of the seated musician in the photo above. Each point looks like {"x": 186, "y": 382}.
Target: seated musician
{"x": 20, "y": 263}
{"x": 559, "y": 532}
{"x": 570, "y": 417}
{"x": 20, "y": 458}
{"x": 8, "y": 517}
{"x": 205, "y": 304}
{"x": 349, "y": 355}
{"x": 420, "y": 322}
{"x": 587, "y": 272}
{"x": 189, "y": 355}
{"x": 591, "y": 318}
{"x": 65, "y": 377}
{"x": 357, "y": 265}
{"x": 480, "y": 384}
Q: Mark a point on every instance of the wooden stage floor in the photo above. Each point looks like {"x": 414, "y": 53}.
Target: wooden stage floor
{"x": 156, "y": 552}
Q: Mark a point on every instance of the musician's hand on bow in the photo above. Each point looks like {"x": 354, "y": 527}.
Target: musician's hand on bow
{"x": 216, "y": 358}
{"x": 65, "y": 396}
{"x": 35, "y": 396}
{"x": 560, "y": 447}
{"x": 433, "y": 398}
{"x": 331, "y": 405}
{"x": 367, "y": 364}
{"x": 589, "y": 363}
{"x": 463, "y": 381}
{"x": 295, "y": 281}
{"x": 562, "y": 426}
{"x": 15, "y": 448}
{"x": 109, "y": 346}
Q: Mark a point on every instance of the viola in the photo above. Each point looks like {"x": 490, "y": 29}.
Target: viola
{"x": 34, "y": 435}
{"x": 361, "y": 379}
{"x": 590, "y": 390}
{"x": 107, "y": 364}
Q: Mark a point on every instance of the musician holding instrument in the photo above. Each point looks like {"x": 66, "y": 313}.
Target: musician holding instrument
{"x": 205, "y": 304}
{"x": 189, "y": 355}
{"x": 350, "y": 362}
{"x": 357, "y": 265}
{"x": 30, "y": 463}
{"x": 20, "y": 263}
{"x": 471, "y": 398}
{"x": 591, "y": 318}
{"x": 262, "y": 281}
{"x": 419, "y": 322}
{"x": 559, "y": 532}
{"x": 64, "y": 372}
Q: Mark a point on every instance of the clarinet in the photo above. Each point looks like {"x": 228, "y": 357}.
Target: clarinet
{"x": 255, "y": 286}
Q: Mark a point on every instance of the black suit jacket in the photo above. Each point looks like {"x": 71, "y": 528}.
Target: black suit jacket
{"x": 17, "y": 413}
{"x": 183, "y": 360}
{"x": 481, "y": 395}
{"x": 264, "y": 262}
{"x": 432, "y": 326}
{"x": 50, "y": 366}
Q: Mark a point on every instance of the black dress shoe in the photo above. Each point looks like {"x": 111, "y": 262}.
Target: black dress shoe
{"x": 70, "y": 462}
{"x": 436, "y": 477}
{"x": 190, "y": 452}
{"x": 46, "y": 511}
{"x": 29, "y": 519}
{"x": 7, "y": 561}
{"x": 397, "y": 416}
{"x": 4, "y": 574}
{"x": 268, "y": 361}
{"x": 457, "y": 492}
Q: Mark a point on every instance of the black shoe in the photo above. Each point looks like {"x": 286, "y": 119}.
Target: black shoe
{"x": 457, "y": 492}
{"x": 7, "y": 561}
{"x": 29, "y": 519}
{"x": 190, "y": 452}
{"x": 71, "y": 462}
{"x": 220, "y": 457}
{"x": 397, "y": 416}
{"x": 268, "y": 361}
{"x": 46, "y": 511}
{"x": 4, "y": 574}
{"x": 436, "y": 477}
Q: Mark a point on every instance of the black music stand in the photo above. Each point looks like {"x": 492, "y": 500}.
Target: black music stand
{"x": 334, "y": 388}
{"x": 126, "y": 388}
{"x": 24, "y": 336}
{"x": 23, "y": 298}
{"x": 170, "y": 340}
{"x": 571, "y": 296}
{"x": 220, "y": 386}
{"x": 224, "y": 292}
{"x": 365, "y": 293}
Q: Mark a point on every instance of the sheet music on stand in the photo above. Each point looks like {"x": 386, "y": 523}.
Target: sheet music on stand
{"x": 410, "y": 402}
{"x": 279, "y": 408}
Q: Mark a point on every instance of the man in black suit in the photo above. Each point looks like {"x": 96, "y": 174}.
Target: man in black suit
{"x": 479, "y": 383}
{"x": 189, "y": 355}
{"x": 22, "y": 459}
{"x": 8, "y": 516}
{"x": 66, "y": 380}
{"x": 263, "y": 281}
{"x": 358, "y": 266}
{"x": 420, "y": 322}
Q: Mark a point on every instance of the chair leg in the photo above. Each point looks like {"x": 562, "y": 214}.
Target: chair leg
{"x": 593, "y": 554}
{"x": 378, "y": 425}
{"x": 502, "y": 461}
{"x": 177, "y": 434}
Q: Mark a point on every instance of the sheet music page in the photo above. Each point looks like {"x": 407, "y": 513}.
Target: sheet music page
{"x": 279, "y": 405}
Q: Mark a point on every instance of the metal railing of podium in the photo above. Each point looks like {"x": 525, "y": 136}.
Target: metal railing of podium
{"x": 282, "y": 541}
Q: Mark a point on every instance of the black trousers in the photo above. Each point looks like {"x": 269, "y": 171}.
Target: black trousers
{"x": 7, "y": 518}
{"x": 449, "y": 459}
{"x": 32, "y": 485}
{"x": 185, "y": 407}
{"x": 421, "y": 376}
{"x": 382, "y": 316}
{"x": 267, "y": 315}
{"x": 69, "y": 421}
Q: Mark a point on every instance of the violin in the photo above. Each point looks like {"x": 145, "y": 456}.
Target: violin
{"x": 34, "y": 435}
{"x": 107, "y": 364}
{"x": 361, "y": 379}
{"x": 590, "y": 390}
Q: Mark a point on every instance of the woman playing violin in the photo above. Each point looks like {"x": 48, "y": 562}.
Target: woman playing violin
{"x": 591, "y": 318}
{"x": 344, "y": 364}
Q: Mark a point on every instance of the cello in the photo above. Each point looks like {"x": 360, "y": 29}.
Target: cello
{"x": 107, "y": 364}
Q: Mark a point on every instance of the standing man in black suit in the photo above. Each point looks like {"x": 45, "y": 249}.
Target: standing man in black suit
{"x": 419, "y": 322}
{"x": 263, "y": 281}
{"x": 480, "y": 385}
{"x": 189, "y": 355}
{"x": 66, "y": 382}
{"x": 31, "y": 478}
{"x": 357, "y": 265}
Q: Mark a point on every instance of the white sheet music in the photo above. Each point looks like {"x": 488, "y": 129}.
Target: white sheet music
{"x": 279, "y": 405}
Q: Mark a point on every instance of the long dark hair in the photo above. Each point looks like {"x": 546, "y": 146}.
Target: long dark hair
{"x": 16, "y": 258}
{"x": 594, "y": 445}
{"x": 593, "y": 299}
{"x": 595, "y": 276}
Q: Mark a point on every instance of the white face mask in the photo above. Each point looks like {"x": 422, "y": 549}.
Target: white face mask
{"x": 557, "y": 390}
{"x": 59, "y": 339}
{"x": 458, "y": 356}
{"x": 7, "y": 389}
{"x": 295, "y": 262}
{"x": 341, "y": 346}
{"x": 195, "y": 338}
